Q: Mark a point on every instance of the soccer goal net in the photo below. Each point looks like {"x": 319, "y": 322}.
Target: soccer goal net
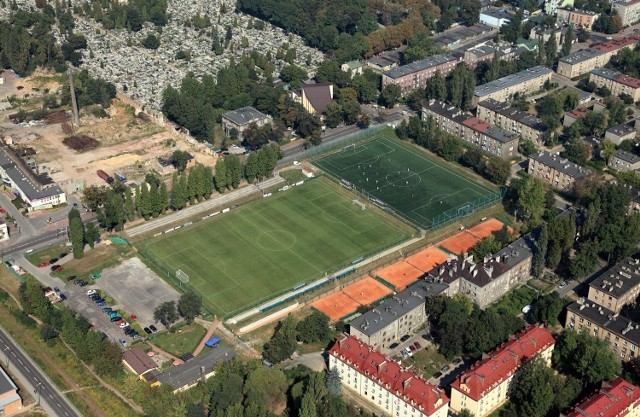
{"x": 349, "y": 147}
{"x": 182, "y": 276}
{"x": 359, "y": 204}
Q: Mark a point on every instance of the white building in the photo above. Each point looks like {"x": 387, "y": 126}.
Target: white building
{"x": 383, "y": 382}
{"x": 38, "y": 191}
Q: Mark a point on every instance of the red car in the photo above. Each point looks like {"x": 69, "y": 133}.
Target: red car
{"x": 134, "y": 317}
{"x": 58, "y": 269}
{"x": 417, "y": 345}
{"x": 412, "y": 348}
{"x": 3, "y": 211}
{"x": 119, "y": 322}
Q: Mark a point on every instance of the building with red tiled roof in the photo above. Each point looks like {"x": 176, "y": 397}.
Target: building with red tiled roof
{"x": 571, "y": 117}
{"x": 586, "y": 60}
{"x": 615, "y": 398}
{"x": 485, "y": 386}
{"x": 472, "y": 130}
{"x": 385, "y": 383}
{"x": 616, "y": 82}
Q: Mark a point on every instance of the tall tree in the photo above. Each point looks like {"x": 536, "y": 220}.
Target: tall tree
{"x": 189, "y": 305}
{"x": 542, "y": 243}
{"x": 166, "y": 313}
{"x": 532, "y": 392}
{"x": 220, "y": 178}
{"x": 145, "y": 207}
{"x": 76, "y": 233}
{"x": 154, "y": 200}
{"x": 568, "y": 40}
{"x": 91, "y": 234}
{"x": 178, "y": 199}
{"x": 207, "y": 180}
{"x": 163, "y": 199}
{"x": 128, "y": 202}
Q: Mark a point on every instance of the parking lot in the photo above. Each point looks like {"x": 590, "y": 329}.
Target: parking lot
{"x": 134, "y": 287}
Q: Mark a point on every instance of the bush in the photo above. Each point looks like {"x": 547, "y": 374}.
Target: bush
{"x": 24, "y": 318}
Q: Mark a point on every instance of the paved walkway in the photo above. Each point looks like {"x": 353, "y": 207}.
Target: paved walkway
{"x": 249, "y": 351}
{"x": 164, "y": 353}
{"x": 203, "y": 207}
{"x": 212, "y": 328}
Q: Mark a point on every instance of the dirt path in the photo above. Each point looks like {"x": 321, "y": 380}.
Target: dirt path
{"x": 108, "y": 386}
{"x": 207, "y": 336}
{"x": 249, "y": 351}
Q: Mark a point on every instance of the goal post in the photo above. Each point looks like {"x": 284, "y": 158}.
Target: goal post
{"x": 352, "y": 146}
{"x": 359, "y": 204}
{"x": 182, "y": 277}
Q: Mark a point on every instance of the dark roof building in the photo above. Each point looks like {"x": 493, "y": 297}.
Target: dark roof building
{"x": 316, "y": 97}
{"x": 183, "y": 377}
{"x": 138, "y": 361}
{"x": 557, "y": 171}
{"x": 618, "y": 286}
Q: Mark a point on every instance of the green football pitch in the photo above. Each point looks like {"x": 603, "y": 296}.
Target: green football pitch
{"x": 257, "y": 251}
{"x": 416, "y": 186}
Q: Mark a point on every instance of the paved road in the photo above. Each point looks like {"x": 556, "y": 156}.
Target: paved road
{"x": 51, "y": 399}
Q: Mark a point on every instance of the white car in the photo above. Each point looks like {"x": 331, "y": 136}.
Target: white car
{"x": 296, "y": 163}
{"x": 123, "y": 325}
{"x": 91, "y": 292}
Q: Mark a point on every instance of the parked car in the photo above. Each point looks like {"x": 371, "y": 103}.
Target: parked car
{"x": 71, "y": 277}
{"x": 123, "y": 342}
{"x": 123, "y": 324}
{"x": 393, "y": 345}
{"x": 56, "y": 289}
{"x": 134, "y": 317}
{"x": 114, "y": 319}
{"x": 107, "y": 309}
{"x": 102, "y": 304}
{"x": 417, "y": 345}
{"x": 562, "y": 285}
{"x": 445, "y": 368}
{"x": 153, "y": 328}
{"x": 147, "y": 330}
{"x": 404, "y": 338}
{"x": 119, "y": 321}
{"x": 62, "y": 255}
{"x": 55, "y": 267}
{"x": 135, "y": 336}
{"x": 63, "y": 297}
{"x": 53, "y": 260}
{"x": 437, "y": 375}
{"x": 43, "y": 264}
{"x": 412, "y": 348}
{"x": 457, "y": 361}
{"x": 90, "y": 292}
{"x": 99, "y": 300}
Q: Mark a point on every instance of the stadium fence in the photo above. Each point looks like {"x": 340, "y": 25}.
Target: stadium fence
{"x": 467, "y": 209}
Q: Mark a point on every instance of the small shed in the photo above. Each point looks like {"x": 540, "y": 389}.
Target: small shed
{"x": 213, "y": 341}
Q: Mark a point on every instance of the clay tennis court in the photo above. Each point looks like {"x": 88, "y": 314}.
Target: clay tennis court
{"x": 367, "y": 291}
{"x": 485, "y": 228}
{"x": 336, "y": 305}
{"x": 400, "y": 274}
{"x": 459, "y": 243}
{"x": 427, "y": 259}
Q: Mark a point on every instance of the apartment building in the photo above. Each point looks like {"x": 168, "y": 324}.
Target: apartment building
{"x": 586, "y": 60}
{"x": 619, "y": 133}
{"x": 402, "y": 314}
{"x": 572, "y": 116}
{"x": 557, "y": 171}
{"x": 624, "y": 161}
{"x": 512, "y": 120}
{"x": 522, "y": 83}
{"x": 487, "y": 281}
{"x": 38, "y": 191}
{"x": 614, "y": 399}
{"x": 551, "y": 6}
{"x": 580, "y": 18}
{"x": 619, "y": 332}
{"x": 416, "y": 74}
{"x": 496, "y": 16}
{"x": 384, "y": 383}
{"x": 628, "y": 10}
{"x": 472, "y": 130}
{"x": 616, "y": 82}
{"x": 618, "y": 286}
{"x": 486, "y": 385}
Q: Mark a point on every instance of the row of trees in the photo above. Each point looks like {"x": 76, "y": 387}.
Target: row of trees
{"x": 313, "y": 328}
{"x": 131, "y": 15}
{"x": 189, "y": 306}
{"x": 452, "y": 148}
{"x": 79, "y": 235}
{"x": 63, "y": 324}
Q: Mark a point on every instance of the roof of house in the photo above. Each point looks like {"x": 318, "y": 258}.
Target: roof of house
{"x": 353, "y": 64}
{"x": 399, "y": 305}
{"x": 497, "y": 13}
{"x": 619, "y": 279}
{"x": 498, "y": 365}
{"x": 607, "y": 73}
{"x": 386, "y": 372}
{"x": 423, "y": 64}
{"x": 380, "y": 61}
{"x": 319, "y": 95}
{"x": 511, "y": 80}
{"x": 484, "y": 272}
{"x": 616, "y": 44}
{"x": 622, "y": 130}
{"x": 606, "y": 319}
{"x": 138, "y": 360}
{"x": 577, "y": 113}
{"x": 627, "y": 156}
{"x": 6, "y": 384}
{"x": 611, "y": 400}
{"x": 188, "y": 373}
{"x": 580, "y": 56}
{"x": 563, "y": 165}
{"x": 244, "y": 115}
{"x": 513, "y": 113}
{"x": 35, "y": 186}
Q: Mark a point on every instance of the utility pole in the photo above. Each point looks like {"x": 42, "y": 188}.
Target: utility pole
{"x": 37, "y": 391}
{"x": 74, "y": 105}
{"x": 6, "y": 356}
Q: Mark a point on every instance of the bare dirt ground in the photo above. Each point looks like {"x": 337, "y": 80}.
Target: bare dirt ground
{"x": 127, "y": 144}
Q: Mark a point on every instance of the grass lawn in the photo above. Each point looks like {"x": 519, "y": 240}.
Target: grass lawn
{"x": 239, "y": 259}
{"x": 417, "y": 186}
{"x": 293, "y": 175}
{"x": 184, "y": 340}
{"x": 48, "y": 254}
{"x": 514, "y": 301}
{"x": 95, "y": 260}
{"x": 426, "y": 361}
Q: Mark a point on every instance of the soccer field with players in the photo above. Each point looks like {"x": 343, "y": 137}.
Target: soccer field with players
{"x": 255, "y": 252}
{"x": 416, "y": 186}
